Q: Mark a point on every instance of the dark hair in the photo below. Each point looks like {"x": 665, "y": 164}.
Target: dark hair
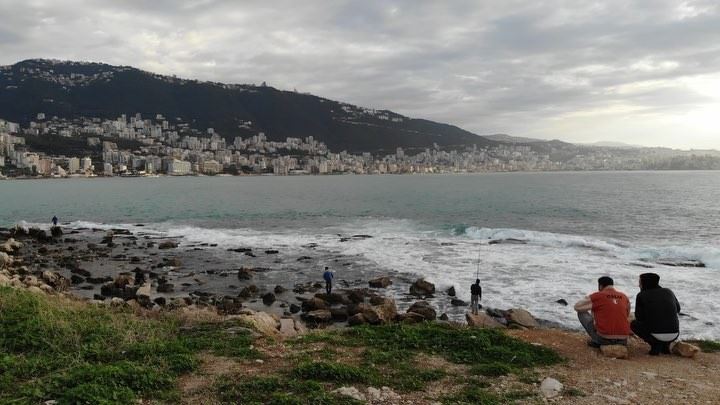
{"x": 649, "y": 280}
{"x": 477, "y": 281}
{"x": 326, "y": 267}
{"x": 605, "y": 281}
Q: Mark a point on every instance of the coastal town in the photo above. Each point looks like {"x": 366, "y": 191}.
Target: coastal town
{"x": 140, "y": 146}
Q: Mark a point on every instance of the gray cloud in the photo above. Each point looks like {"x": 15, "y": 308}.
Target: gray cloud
{"x": 639, "y": 71}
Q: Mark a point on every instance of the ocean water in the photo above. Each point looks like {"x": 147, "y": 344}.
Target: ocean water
{"x": 568, "y": 228}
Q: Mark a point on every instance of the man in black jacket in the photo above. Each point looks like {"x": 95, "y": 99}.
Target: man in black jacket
{"x": 656, "y": 315}
{"x": 475, "y": 296}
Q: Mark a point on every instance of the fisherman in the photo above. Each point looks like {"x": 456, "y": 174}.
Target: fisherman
{"x": 608, "y": 324}
{"x": 328, "y": 276}
{"x": 475, "y": 296}
{"x": 656, "y": 315}
{"x": 54, "y": 220}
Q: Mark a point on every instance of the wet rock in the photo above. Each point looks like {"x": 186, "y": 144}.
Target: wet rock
{"x": 357, "y": 319}
{"x": 357, "y": 295}
{"x": 56, "y": 232}
{"x": 271, "y": 252}
{"x": 279, "y": 289}
{"x": 451, "y": 291}
{"x": 444, "y": 317}
{"x": 423, "y": 308}
{"x": 248, "y": 291}
{"x": 458, "y": 302}
{"x": 681, "y": 263}
{"x": 240, "y": 250}
{"x": 160, "y": 301}
{"x": 245, "y": 273}
{"x": 268, "y": 298}
{"x": 410, "y": 318}
{"x": 422, "y": 288}
{"x": 482, "y": 320}
{"x": 304, "y": 258}
{"x": 98, "y": 280}
{"x": 562, "y": 301}
{"x": 314, "y": 304}
{"x": 169, "y": 244}
{"x": 295, "y": 308}
{"x": 339, "y": 313}
{"x": 319, "y": 316}
{"x": 508, "y": 241}
{"x": 172, "y": 262}
{"x": 334, "y": 298}
{"x": 614, "y": 351}
{"x": 165, "y": 288}
{"x": 75, "y": 279}
{"x": 522, "y": 318}
{"x": 380, "y": 282}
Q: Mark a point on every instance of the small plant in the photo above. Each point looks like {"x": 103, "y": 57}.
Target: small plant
{"x": 707, "y": 346}
{"x": 332, "y": 372}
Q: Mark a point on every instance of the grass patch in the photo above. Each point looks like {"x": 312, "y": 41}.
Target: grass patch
{"x": 707, "y": 346}
{"x": 276, "y": 391}
{"x": 492, "y": 369}
{"x": 77, "y": 353}
{"x": 573, "y": 392}
{"x": 333, "y": 372}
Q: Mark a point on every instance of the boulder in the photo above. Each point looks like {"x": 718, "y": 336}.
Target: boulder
{"x": 458, "y": 302}
{"x": 279, "y": 289}
{"x": 262, "y": 322}
{"x": 482, "y": 320}
{"x": 385, "y": 312}
{"x": 245, "y": 273}
{"x": 550, "y": 387}
{"x": 172, "y": 262}
{"x": 268, "y": 298}
{"x": 314, "y": 304}
{"x": 422, "y": 288}
{"x": 562, "y": 301}
{"x": 5, "y": 260}
{"x": 10, "y": 246}
{"x": 351, "y": 392}
{"x": 287, "y": 328}
{"x": 4, "y": 280}
{"x": 339, "y": 313}
{"x": 55, "y": 280}
{"x": 383, "y": 395}
{"x": 317, "y": 317}
{"x": 248, "y": 291}
{"x": 357, "y": 319}
{"x": 444, "y": 317}
{"x": 75, "y": 279}
{"x": 166, "y": 288}
{"x": 380, "y": 282}
{"x": 357, "y": 295}
{"x": 451, "y": 291}
{"x": 614, "y": 351}
{"x": 423, "y": 308}
{"x": 521, "y": 317}
{"x": 56, "y": 232}
{"x": 295, "y": 308}
{"x": 410, "y": 318}
{"x": 169, "y": 244}
{"x": 358, "y": 308}
{"x": 334, "y": 298}
{"x": 685, "y": 349}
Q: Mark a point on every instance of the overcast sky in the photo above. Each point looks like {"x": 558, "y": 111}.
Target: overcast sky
{"x": 640, "y": 72}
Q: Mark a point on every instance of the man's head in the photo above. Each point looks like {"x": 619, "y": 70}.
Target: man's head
{"x": 605, "y": 281}
{"x": 327, "y": 268}
{"x": 649, "y": 280}
{"x": 477, "y": 281}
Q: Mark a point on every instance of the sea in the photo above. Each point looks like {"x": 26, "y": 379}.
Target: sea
{"x": 531, "y": 238}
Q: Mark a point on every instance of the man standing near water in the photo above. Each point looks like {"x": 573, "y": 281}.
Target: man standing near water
{"x": 328, "y": 276}
{"x": 475, "y": 296}
{"x": 54, "y": 220}
{"x": 608, "y": 324}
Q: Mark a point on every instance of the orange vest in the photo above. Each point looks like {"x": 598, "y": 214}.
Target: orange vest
{"x": 610, "y": 310}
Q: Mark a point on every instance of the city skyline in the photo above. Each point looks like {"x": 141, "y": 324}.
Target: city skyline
{"x": 638, "y": 74}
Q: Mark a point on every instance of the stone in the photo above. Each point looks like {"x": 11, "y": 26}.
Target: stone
{"x": 5, "y": 260}
{"x": 521, "y": 317}
{"x": 165, "y": 288}
{"x": 279, "y": 289}
{"x": 444, "y": 317}
{"x": 422, "y": 287}
{"x": 351, "y": 392}
{"x": 451, "y": 291}
{"x": 56, "y": 232}
{"x": 562, "y": 301}
{"x": 410, "y": 318}
{"x": 339, "y": 313}
{"x": 380, "y": 282}
{"x": 262, "y": 322}
{"x": 385, "y": 312}
{"x": 271, "y": 252}
{"x": 295, "y": 308}
{"x": 56, "y": 281}
{"x": 458, "y": 302}
{"x": 614, "y": 351}
{"x": 334, "y": 298}
{"x": 248, "y": 291}
{"x": 358, "y": 308}
{"x": 4, "y": 280}
{"x": 318, "y": 316}
{"x": 685, "y": 349}
{"x": 173, "y": 262}
{"x": 268, "y": 298}
{"x": 169, "y": 244}
{"x": 75, "y": 279}
{"x": 423, "y": 308}
{"x": 287, "y": 327}
{"x": 382, "y": 395}
{"x": 117, "y": 302}
{"x": 550, "y": 387}
{"x": 245, "y": 273}
{"x": 314, "y": 304}
{"x": 357, "y": 319}
{"x": 482, "y": 320}
{"x": 10, "y": 246}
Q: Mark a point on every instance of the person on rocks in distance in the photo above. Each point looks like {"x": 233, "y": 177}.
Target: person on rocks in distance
{"x": 328, "y": 276}
{"x": 475, "y": 296}
{"x": 656, "y": 315}
{"x": 54, "y": 220}
{"x": 608, "y": 324}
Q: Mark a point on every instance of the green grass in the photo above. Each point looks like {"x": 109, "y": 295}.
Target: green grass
{"x": 76, "y": 353}
{"x": 333, "y": 372}
{"x": 707, "y": 346}
{"x": 276, "y": 391}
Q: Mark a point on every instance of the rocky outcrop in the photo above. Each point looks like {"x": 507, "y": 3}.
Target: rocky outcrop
{"x": 422, "y": 288}
{"x": 317, "y": 317}
{"x": 423, "y": 308}
{"x": 10, "y": 246}
{"x": 482, "y": 320}
{"x": 522, "y": 318}
{"x": 380, "y": 282}
{"x": 55, "y": 280}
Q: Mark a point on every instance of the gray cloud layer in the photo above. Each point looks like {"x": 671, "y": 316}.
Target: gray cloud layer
{"x": 639, "y": 71}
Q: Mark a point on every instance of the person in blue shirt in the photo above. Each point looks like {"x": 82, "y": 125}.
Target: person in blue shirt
{"x": 328, "y": 276}
{"x": 54, "y": 220}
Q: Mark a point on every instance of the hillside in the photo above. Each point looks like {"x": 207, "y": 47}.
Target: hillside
{"x": 75, "y": 89}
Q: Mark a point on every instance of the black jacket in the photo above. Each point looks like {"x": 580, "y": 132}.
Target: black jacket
{"x": 475, "y": 289}
{"x": 657, "y": 310}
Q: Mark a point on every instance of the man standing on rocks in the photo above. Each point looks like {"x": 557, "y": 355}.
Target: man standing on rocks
{"x": 328, "y": 276}
{"x": 54, "y": 220}
{"x": 475, "y": 296}
{"x": 608, "y": 324}
{"x": 656, "y": 315}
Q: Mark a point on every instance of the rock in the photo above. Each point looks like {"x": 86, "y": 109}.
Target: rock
{"x": 358, "y": 308}
{"x": 562, "y": 301}
{"x": 31, "y": 281}
{"x": 56, "y": 281}
{"x": 168, "y": 245}
{"x": 262, "y": 322}
{"x": 423, "y": 308}
{"x": 357, "y": 295}
{"x": 422, "y": 287}
{"x": 521, "y": 317}
{"x": 357, "y": 319}
{"x": 287, "y": 327}
{"x": 351, "y": 392}
{"x": 248, "y": 291}
{"x": 80, "y": 271}
{"x": 56, "y": 232}
{"x": 5, "y": 260}
{"x": 339, "y": 313}
{"x": 172, "y": 262}
{"x": 614, "y": 351}
{"x": 279, "y": 289}
{"x": 314, "y": 304}
{"x": 160, "y": 301}
{"x": 685, "y": 349}
{"x": 4, "y": 280}
{"x": 334, "y": 298}
{"x": 229, "y": 306}
{"x": 295, "y": 308}
{"x": 451, "y": 291}
{"x": 380, "y": 282}
{"x": 410, "y": 318}
{"x": 444, "y": 317}
{"x": 245, "y": 273}
{"x": 382, "y": 395}
{"x": 318, "y": 316}
{"x": 458, "y": 302}
{"x": 268, "y": 298}
{"x": 482, "y": 320}
{"x": 271, "y": 252}
{"x": 550, "y": 387}
{"x": 385, "y": 312}
{"x": 10, "y": 246}
{"x": 165, "y": 288}
{"x": 117, "y": 302}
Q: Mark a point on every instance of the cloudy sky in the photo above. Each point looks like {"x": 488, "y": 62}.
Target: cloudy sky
{"x": 642, "y": 72}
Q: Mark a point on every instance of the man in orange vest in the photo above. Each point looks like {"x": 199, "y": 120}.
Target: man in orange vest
{"x": 608, "y": 324}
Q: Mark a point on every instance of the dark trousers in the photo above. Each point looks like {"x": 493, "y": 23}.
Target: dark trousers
{"x": 587, "y": 321}
{"x": 640, "y": 330}
{"x": 328, "y": 286}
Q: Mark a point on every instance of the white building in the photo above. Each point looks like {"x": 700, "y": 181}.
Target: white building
{"x": 86, "y": 164}
{"x": 107, "y": 169}
{"x": 73, "y": 165}
{"x": 179, "y": 167}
